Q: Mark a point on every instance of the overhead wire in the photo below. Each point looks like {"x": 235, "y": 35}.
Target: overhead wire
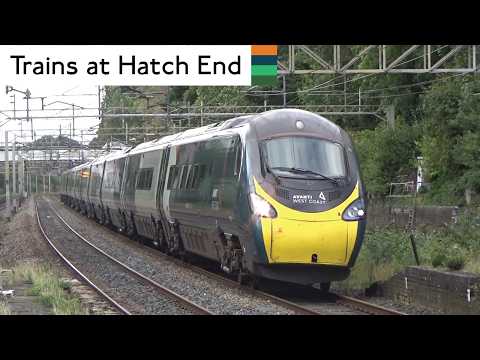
{"x": 324, "y": 84}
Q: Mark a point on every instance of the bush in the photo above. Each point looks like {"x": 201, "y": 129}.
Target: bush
{"x": 384, "y": 153}
{"x": 439, "y": 260}
{"x": 455, "y": 262}
{"x": 386, "y": 251}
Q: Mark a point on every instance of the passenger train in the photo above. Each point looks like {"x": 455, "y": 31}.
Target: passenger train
{"x": 275, "y": 195}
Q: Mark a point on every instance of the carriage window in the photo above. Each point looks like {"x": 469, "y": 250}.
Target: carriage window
{"x": 170, "y": 177}
{"x": 199, "y": 175}
{"x": 191, "y": 177}
{"x": 185, "y": 171}
{"x": 173, "y": 177}
{"x": 144, "y": 180}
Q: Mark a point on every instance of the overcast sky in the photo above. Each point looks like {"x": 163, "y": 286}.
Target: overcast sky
{"x": 76, "y": 95}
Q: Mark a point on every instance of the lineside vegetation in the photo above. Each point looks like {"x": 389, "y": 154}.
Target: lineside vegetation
{"x": 387, "y": 251}
{"x": 4, "y": 308}
{"x": 49, "y": 287}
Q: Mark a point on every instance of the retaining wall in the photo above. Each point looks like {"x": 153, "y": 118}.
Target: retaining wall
{"x": 379, "y": 215}
{"x": 445, "y": 291}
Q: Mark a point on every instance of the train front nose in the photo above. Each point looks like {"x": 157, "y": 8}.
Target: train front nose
{"x": 316, "y": 238}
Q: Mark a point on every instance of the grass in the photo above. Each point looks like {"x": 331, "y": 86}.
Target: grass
{"x": 50, "y": 289}
{"x": 387, "y": 250}
{"x": 473, "y": 265}
{"x": 4, "y": 309}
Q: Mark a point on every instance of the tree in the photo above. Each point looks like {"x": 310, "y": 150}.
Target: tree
{"x": 451, "y": 140}
{"x": 384, "y": 154}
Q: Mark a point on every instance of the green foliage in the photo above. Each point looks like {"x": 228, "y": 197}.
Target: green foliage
{"x": 456, "y": 262}
{"x": 49, "y": 288}
{"x": 4, "y": 308}
{"x": 385, "y": 153}
{"x": 439, "y": 260}
{"x": 388, "y": 250}
{"x": 451, "y": 137}
{"x": 225, "y": 95}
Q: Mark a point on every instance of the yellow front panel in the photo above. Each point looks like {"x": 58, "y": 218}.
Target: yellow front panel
{"x": 352, "y": 237}
{"x": 293, "y": 236}
{"x": 296, "y": 241}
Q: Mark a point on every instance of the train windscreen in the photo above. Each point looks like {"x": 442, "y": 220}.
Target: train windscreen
{"x": 305, "y": 156}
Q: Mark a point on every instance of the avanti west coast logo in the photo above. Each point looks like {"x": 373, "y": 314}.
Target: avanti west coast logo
{"x": 309, "y": 199}
{"x": 322, "y": 196}
{"x": 264, "y": 64}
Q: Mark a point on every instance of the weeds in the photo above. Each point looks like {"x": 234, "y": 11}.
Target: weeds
{"x": 4, "y": 309}
{"x": 387, "y": 250}
{"x": 49, "y": 288}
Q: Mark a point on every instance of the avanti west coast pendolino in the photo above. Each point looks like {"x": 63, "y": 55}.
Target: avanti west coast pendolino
{"x": 276, "y": 195}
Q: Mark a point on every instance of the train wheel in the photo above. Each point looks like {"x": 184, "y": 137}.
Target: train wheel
{"x": 325, "y": 286}
{"x": 242, "y": 278}
{"x": 246, "y": 279}
{"x": 185, "y": 257}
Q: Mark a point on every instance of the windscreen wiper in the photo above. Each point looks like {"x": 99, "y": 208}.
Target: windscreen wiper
{"x": 271, "y": 172}
{"x": 305, "y": 171}
{"x": 267, "y": 167}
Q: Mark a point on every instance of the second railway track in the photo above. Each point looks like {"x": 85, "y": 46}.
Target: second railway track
{"x": 127, "y": 289}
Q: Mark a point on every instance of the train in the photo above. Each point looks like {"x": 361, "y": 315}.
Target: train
{"x": 276, "y": 195}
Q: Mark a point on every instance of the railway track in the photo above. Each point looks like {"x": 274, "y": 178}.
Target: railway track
{"x": 120, "y": 267}
{"x": 365, "y": 307}
{"x": 309, "y": 307}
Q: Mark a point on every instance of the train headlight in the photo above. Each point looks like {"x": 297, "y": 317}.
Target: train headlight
{"x": 355, "y": 211}
{"x": 261, "y": 207}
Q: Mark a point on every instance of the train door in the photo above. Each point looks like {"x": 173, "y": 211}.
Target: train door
{"x": 102, "y": 176}
{"x": 130, "y": 176}
{"x": 162, "y": 177}
{"x": 161, "y": 188}
{"x": 170, "y": 168}
{"x": 119, "y": 171}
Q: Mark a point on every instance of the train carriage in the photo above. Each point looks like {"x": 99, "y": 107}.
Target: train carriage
{"x": 275, "y": 195}
{"x": 96, "y": 177}
{"x": 111, "y": 188}
{"x": 139, "y": 193}
{"x": 83, "y": 176}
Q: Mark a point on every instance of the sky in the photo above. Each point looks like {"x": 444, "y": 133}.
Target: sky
{"x": 52, "y": 92}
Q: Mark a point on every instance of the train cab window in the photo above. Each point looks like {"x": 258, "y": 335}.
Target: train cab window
{"x": 297, "y": 156}
{"x": 144, "y": 179}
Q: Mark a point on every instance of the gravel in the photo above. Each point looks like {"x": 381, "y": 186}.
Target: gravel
{"x": 203, "y": 290}
{"x": 21, "y": 242}
{"x": 126, "y": 289}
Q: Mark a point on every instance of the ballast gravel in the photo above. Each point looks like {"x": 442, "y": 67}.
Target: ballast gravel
{"x": 212, "y": 294}
{"x": 123, "y": 287}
